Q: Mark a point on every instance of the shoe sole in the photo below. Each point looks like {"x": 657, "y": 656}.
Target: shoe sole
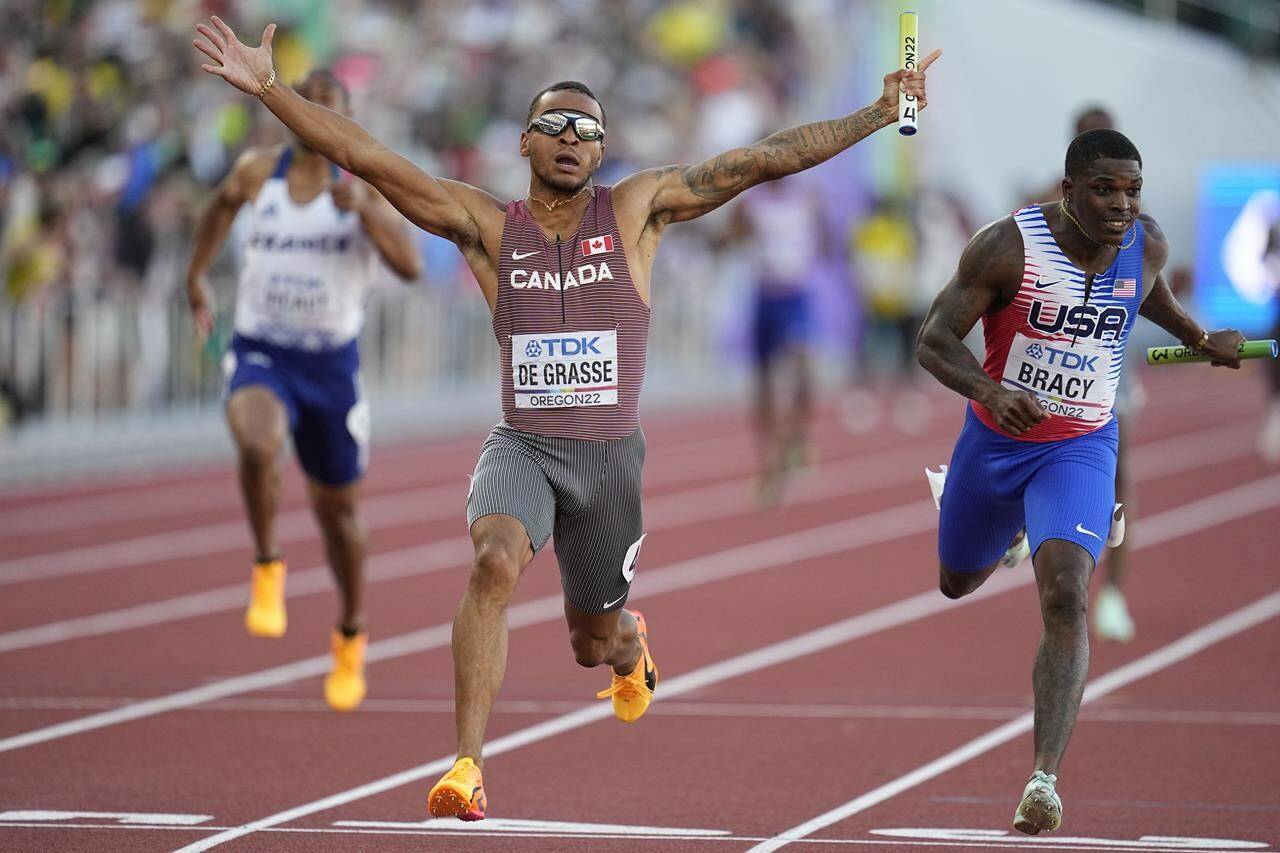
{"x": 448, "y": 803}
{"x": 1037, "y": 814}
{"x": 271, "y": 633}
{"x": 344, "y": 705}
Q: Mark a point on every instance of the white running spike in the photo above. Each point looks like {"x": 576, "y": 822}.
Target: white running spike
{"x": 937, "y": 480}
{"x": 1116, "y": 536}
{"x": 1018, "y": 551}
{"x": 1111, "y": 620}
{"x": 1041, "y": 807}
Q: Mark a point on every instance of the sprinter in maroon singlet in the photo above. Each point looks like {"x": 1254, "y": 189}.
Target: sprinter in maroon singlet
{"x": 566, "y": 274}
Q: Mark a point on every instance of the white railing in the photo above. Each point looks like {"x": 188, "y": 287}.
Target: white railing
{"x": 76, "y": 358}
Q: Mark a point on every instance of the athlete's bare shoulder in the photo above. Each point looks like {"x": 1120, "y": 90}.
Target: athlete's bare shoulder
{"x": 633, "y": 197}
{"x": 1155, "y": 247}
{"x": 485, "y": 209}
{"x": 249, "y": 172}
{"x": 994, "y": 257}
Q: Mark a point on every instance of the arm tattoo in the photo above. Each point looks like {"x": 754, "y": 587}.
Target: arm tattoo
{"x": 784, "y": 153}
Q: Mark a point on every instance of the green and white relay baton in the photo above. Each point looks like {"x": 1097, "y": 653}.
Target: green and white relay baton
{"x": 1182, "y": 354}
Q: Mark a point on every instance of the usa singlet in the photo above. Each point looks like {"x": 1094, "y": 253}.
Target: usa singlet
{"x": 1056, "y": 342}
{"x": 307, "y": 270}
{"x": 571, "y": 328}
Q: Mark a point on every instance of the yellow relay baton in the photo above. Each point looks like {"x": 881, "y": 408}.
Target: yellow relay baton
{"x": 908, "y": 56}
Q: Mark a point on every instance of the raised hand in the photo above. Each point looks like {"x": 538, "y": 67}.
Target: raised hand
{"x": 908, "y": 83}
{"x": 246, "y": 68}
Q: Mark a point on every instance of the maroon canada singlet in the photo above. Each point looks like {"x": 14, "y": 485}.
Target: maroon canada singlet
{"x": 571, "y": 328}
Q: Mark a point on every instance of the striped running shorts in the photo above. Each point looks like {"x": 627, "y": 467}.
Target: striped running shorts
{"x": 585, "y": 492}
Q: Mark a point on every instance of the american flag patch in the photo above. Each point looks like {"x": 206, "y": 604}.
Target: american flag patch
{"x": 1125, "y": 288}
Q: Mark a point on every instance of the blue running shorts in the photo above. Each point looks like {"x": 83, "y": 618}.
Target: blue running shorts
{"x": 320, "y": 391}
{"x": 997, "y": 485}
{"x": 781, "y": 320}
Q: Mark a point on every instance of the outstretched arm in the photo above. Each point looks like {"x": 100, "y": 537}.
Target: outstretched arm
{"x": 426, "y": 202}
{"x": 990, "y": 266}
{"x": 680, "y": 193}
{"x": 1161, "y": 307}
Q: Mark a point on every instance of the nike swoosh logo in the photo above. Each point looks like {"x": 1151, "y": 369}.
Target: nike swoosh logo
{"x": 1041, "y": 285}
{"x": 650, "y": 676}
{"x": 1080, "y": 529}
{"x": 516, "y": 256}
{"x": 630, "y": 559}
{"x": 615, "y": 601}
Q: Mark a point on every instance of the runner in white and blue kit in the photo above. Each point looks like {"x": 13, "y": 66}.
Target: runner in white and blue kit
{"x": 311, "y": 255}
{"x": 1057, "y": 288}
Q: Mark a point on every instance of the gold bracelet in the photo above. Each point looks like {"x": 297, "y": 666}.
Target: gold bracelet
{"x": 1204, "y": 339}
{"x": 267, "y": 85}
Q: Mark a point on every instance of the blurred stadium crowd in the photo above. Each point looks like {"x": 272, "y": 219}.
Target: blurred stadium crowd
{"x": 112, "y": 139}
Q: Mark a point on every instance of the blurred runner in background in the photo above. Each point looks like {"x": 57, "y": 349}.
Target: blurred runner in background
{"x": 779, "y": 228}
{"x": 293, "y": 366}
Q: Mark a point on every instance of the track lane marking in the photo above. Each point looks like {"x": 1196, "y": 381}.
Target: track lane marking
{"x": 433, "y": 503}
{"x": 1236, "y": 622}
{"x": 1171, "y": 844}
{"x": 1162, "y": 457}
{"x": 1250, "y": 498}
{"x": 874, "y": 528}
{"x": 854, "y": 476}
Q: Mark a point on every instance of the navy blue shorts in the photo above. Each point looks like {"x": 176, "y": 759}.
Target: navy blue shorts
{"x": 997, "y": 485}
{"x": 781, "y": 321}
{"x": 320, "y": 391}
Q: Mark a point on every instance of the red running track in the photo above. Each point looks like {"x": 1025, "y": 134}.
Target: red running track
{"x": 817, "y": 693}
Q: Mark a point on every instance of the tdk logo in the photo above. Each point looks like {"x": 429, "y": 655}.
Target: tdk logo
{"x": 1068, "y": 360}
{"x": 1084, "y": 321}
{"x": 563, "y": 346}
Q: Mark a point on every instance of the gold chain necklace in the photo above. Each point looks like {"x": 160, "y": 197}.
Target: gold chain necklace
{"x": 1066, "y": 211}
{"x": 550, "y": 206}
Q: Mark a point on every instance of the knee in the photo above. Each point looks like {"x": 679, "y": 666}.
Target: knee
{"x": 589, "y": 648}
{"x": 494, "y": 574}
{"x": 259, "y": 451}
{"x": 338, "y": 513}
{"x": 951, "y": 584}
{"x": 1064, "y": 599}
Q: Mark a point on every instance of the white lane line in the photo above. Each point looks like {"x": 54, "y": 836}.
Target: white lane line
{"x": 205, "y": 491}
{"x": 748, "y": 710}
{"x": 387, "y": 510}
{"x": 562, "y": 828}
{"x": 680, "y": 460}
{"x": 893, "y": 615}
{"x": 1246, "y": 499}
{"x": 399, "y": 508}
{"x": 1155, "y": 459}
{"x": 716, "y": 501}
{"x": 684, "y": 459}
{"x": 390, "y": 565}
{"x": 125, "y": 818}
{"x": 980, "y": 838}
{"x": 54, "y": 509}
{"x": 873, "y": 528}
{"x": 1179, "y": 650}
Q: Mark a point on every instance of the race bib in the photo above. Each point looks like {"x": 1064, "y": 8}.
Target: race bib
{"x": 557, "y": 371}
{"x": 1067, "y": 380}
{"x": 295, "y": 299}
